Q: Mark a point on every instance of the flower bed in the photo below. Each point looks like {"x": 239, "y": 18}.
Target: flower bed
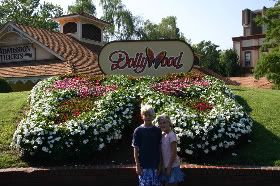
{"x": 74, "y": 115}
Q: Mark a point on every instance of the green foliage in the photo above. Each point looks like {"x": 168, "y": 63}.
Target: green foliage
{"x": 82, "y": 6}
{"x": 30, "y": 12}
{"x": 72, "y": 108}
{"x": 269, "y": 64}
{"x": 271, "y": 21}
{"x": 229, "y": 61}
{"x": 4, "y": 86}
{"x": 209, "y": 55}
{"x": 124, "y": 25}
{"x": 166, "y": 29}
{"x": 22, "y": 86}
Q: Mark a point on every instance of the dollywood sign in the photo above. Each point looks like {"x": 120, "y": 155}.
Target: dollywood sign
{"x": 140, "y": 58}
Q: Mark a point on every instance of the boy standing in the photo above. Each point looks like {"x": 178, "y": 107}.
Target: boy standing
{"x": 146, "y": 142}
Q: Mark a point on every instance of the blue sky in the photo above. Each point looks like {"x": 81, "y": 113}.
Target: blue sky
{"x": 214, "y": 20}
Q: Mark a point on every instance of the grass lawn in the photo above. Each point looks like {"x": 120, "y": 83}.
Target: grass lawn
{"x": 264, "y": 107}
{"x": 264, "y": 148}
{"x": 10, "y": 114}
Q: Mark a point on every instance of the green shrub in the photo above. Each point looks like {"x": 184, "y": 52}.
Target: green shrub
{"x": 4, "y": 86}
{"x": 269, "y": 66}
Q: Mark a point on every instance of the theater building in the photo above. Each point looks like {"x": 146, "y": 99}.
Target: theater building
{"x": 28, "y": 54}
{"x": 248, "y": 45}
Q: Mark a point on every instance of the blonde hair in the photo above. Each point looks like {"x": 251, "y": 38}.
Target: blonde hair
{"x": 147, "y": 109}
{"x": 164, "y": 117}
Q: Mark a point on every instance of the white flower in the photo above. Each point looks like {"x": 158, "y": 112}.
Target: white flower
{"x": 45, "y": 149}
{"x": 189, "y": 151}
{"x": 214, "y": 147}
{"x": 85, "y": 141}
{"x": 95, "y": 132}
{"x": 107, "y": 126}
{"x": 206, "y": 151}
{"x": 101, "y": 146}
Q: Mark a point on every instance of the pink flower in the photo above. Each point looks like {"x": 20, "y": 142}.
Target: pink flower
{"x": 177, "y": 86}
{"x": 83, "y": 87}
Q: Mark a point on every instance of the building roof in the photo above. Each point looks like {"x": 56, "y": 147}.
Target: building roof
{"x": 256, "y": 36}
{"x": 34, "y": 68}
{"x": 83, "y": 15}
{"x": 75, "y": 57}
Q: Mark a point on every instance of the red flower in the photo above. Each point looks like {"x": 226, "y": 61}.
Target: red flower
{"x": 202, "y": 106}
{"x": 76, "y": 113}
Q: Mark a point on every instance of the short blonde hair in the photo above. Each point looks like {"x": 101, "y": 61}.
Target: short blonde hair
{"x": 147, "y": 109}
{"x": 164, "y": 117}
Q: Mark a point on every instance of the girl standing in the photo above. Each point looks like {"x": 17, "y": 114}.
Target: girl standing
{"x": 172, "y": 174}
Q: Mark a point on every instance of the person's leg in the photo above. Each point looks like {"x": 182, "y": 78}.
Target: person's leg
{"x": 173, "y": 184}
{"x": 149, "y": 177}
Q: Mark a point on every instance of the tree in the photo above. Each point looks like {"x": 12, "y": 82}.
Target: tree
{"x": 209, "y": 55}
{"x": 166, "y": 29}
{"x": 82, "y": 6}
{"x": 269, "y": 66}
{"x": 30, "y": 12}
{"x": 124, "y": 26}
{"x": 269, "y": 63}
{"x": 229, "y": 62}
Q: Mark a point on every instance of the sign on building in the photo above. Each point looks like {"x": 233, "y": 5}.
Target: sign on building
{"x": 17, "y": 53}
{"x": 138, "y": 58}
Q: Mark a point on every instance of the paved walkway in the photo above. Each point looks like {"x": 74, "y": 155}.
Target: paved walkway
{"x": 250, "y": 81}
{"x": 124, "y": 175}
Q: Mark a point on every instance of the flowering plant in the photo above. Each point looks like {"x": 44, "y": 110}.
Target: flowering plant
{"x": 70, "y": 115}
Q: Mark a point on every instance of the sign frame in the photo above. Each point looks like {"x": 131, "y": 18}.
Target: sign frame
{"x": 145, "y": 41}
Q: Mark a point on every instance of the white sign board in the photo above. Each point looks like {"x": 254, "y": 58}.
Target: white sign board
{"x": 17, "y": 53}
{"x": 138, "y": 58}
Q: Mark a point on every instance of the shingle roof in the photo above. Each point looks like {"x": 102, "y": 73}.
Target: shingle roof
{"x": 77, "y": 57}
{"x": 34, "y": 68}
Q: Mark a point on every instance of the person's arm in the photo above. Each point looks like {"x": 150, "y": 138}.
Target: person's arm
{"x": 137, "y": 162}
{"x": 172, "y": 157}
{"x": 135, "y": 144}
{"x": 160, "y": 166}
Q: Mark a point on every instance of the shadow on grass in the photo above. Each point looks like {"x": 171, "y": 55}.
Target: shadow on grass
{"x": 240, "y": 100}
{"x": 262, "y": 150}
